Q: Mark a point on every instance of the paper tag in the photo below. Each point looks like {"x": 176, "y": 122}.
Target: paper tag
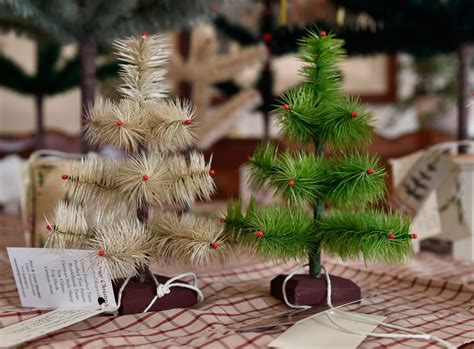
{"x": 319, "y": 332}
{"x": 43, "y": 324}
{"x": 50, "y": 278}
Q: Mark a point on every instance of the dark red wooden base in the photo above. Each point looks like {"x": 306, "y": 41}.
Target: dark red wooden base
{"x": 137, "y": 295}
{"x": 307, "y": 290}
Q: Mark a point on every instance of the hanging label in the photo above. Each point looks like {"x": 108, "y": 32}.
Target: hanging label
{"x": 43, "y": 324}
{"x": 51, "y": 278}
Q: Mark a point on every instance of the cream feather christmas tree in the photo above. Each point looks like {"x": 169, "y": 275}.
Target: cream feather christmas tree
{"x": 120, "y": 210}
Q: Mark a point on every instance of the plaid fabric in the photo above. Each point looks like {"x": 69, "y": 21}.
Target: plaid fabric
{"x": 432, "y": 295}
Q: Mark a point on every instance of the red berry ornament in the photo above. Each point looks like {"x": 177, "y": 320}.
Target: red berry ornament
{"x": 120, "y": 123}
{"x": 64, "y": 177}
{"x": 286, "y": 106}
{"x": 354, "y": 114}
{"x": 49, "y": 227}
{"x": 267, "y": 37}
{"x": 101, "y": 253}
{"x": 370, "y": 171}
{"x": 391, "y": 236}
{"x": 323, "y": 33}
{"x": 291, "y": 183}
{"x": 146, "y": 177}
{"x": 212, "y": 172}
{"x": 144, "y": 35}
{"x": 215, "y": 245}
{"x": 414, "y": 236}
{"x": 188, "y": 122}
{"x": 260, "y": 234}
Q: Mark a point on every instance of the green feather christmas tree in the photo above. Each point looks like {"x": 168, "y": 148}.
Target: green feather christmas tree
{"x": 339, "y": 175}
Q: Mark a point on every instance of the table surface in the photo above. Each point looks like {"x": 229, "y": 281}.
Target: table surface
{"x": 432, "y": 294}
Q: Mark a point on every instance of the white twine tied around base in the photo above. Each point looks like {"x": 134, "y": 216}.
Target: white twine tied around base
{"x": 164, "y": 289}
{"x": 161, "y": 290}
{"x": 413, "y": 334}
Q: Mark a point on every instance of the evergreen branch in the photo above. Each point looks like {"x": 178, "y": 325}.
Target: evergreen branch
{"x": 366, "y": 234}
{"x": 234, "y": 221}
{"x": 296, "y": 114}
{"x": 47, "y": 59}
{"x": 300, "y": 178}
{"x": 92, "y": 180}
{"x": 262, "y": 164}
{"x": 322, "y": 55}
{"x": 65, "y": 78}
{"x": 355, "y": 179}
{"x": 144, "y": 179}
{"x": 117, "y": 124}
{"x": 170, "y": 125}
{"x": 37, "y": 18}
{"x": 190, "y": 179}
{"x": 14, "y": 77}
{"x": 187, "y": 239}
{"x": 122, "y": 245}
{"x": 161, "y": 16}
{"x": 107, "y": 70}
{"x": 70, "y": 228}
{"x": 143, "y": 67}
{"x": 102, "y": 16}
{"x": 345, "y": 124}
{"x": 235, "y": 31}
{"x": 274, "y": 233}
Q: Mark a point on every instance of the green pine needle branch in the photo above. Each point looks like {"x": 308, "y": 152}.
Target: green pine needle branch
{"x": 346, "y": 124}
{"x": 373, "y": 235}
{"x": 355, "y": 179}
{"x": 299, "y": 177}
{"x": 274, "y": 233}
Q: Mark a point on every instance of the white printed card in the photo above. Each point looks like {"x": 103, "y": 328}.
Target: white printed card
{"x": 51, "y": 278}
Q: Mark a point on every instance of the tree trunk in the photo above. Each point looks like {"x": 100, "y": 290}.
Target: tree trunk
{"x": 318, "y": 210}
{"x": 265, "y": 87}
{"x": 39, "y": 98}
{"x": 463, "y": 93}
{"x": 185, "y": 88}
{"x": 87, "y": 55}
{"x": 266, "y": 127}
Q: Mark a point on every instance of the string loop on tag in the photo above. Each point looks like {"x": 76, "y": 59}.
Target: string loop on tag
{"x": 413, "y": 334}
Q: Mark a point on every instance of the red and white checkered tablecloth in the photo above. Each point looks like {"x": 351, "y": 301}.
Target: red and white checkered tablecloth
{"x": 433, "y": 294}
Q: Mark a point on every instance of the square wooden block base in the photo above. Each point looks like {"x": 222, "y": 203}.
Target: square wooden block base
{"x": 307, "y": 290}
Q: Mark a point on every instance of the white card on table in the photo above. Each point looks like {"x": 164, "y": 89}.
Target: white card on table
{"x": 319, "y": 332}
{"x": 51, "y": 278}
